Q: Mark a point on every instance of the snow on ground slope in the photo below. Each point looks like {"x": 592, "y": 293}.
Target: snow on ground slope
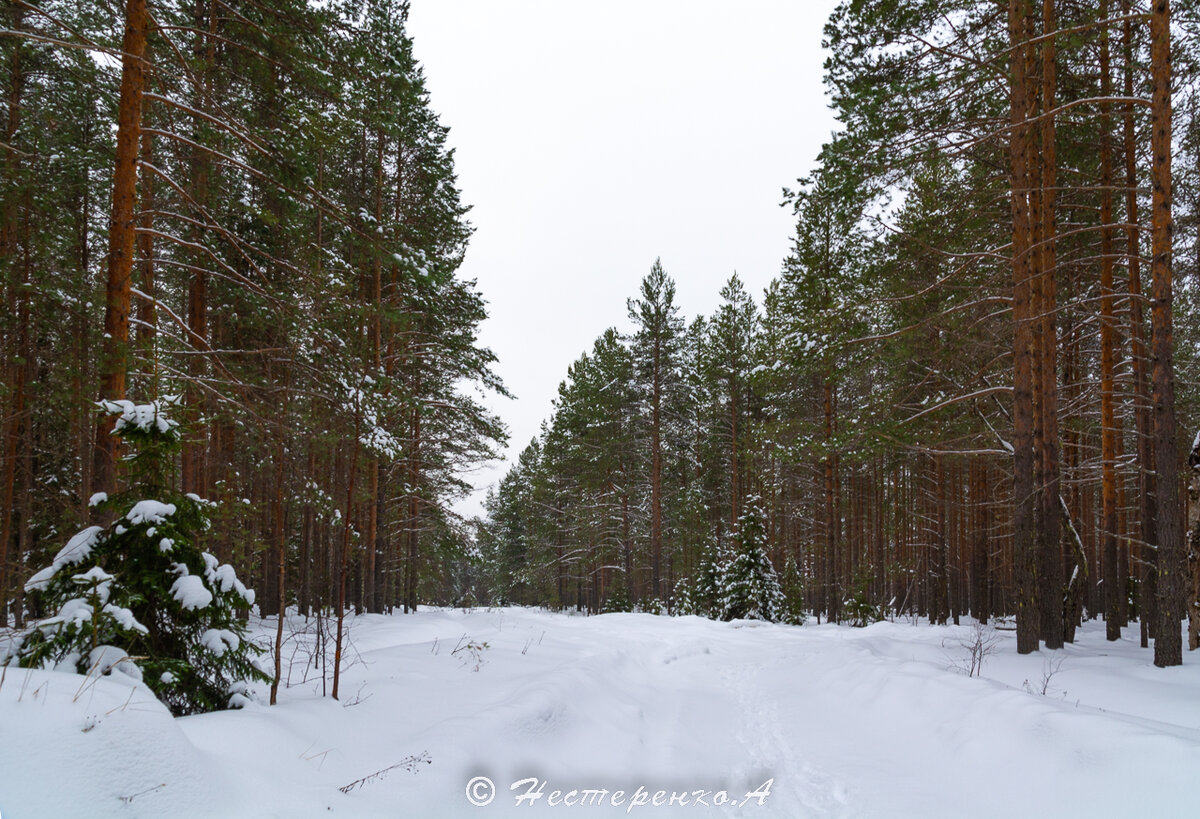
{"x": 844, "y": 722}
{"x": 95, "y": 746}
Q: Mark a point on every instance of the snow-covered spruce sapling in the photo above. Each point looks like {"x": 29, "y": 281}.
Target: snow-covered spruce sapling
{"x": 684, "y": 603}
{"x": 705, "y": 593}
{"x": 750, "y": 588}
{"x": 793, "y": 593}
{"x": 860, "y": 611}
{"x": 138, "y": 595}
{"x": 653, "y": 605}
{"x": 618, "y": 599}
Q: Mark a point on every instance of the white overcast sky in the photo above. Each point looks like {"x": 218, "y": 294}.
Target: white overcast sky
{"x": 592, "y": 138}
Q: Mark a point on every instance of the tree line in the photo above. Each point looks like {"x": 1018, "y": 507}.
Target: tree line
{"x": 249, "y": 210}
{"x": 964, "y": 391}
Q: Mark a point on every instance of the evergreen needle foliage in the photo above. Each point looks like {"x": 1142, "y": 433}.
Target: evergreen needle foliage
{"x": 618, "y": 599}
{"x": 793, "y": 593}
{"x": 710, "y": 577}
{"x": 750, "y": 588}
{"x": 860, "y": 611}
{"x": 139, "y": 596}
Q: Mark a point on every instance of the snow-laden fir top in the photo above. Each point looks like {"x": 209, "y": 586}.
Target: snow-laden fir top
{"x": 142, "y": 416}
{"x": 150, "y": 511}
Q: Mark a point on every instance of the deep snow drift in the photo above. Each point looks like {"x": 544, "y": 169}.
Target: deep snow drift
{"x": 844, "y": 722}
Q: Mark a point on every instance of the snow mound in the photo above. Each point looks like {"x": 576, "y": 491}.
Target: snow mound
{"x": 98, "y": 746}
{"x": 105, "y": 659}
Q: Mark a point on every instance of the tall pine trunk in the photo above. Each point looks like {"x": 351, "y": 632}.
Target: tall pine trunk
{"x": 1050, "y": 557}
{"x": 1168, "y": 644}
{"x": 280, "y": 536}
{"x": 121, "y": 235}
{"x": 147, "y": 309}
{"x": 1108, "y": 422}
{"x": 1023, "y": 454}
{"x": 1143, "y": 414}
{"x": 193, "y": 460}
{"x": 376, "y": 330}
{"x": 656, "y": 474}
{"x": 17, "y": 299}
{"x": 831, "y": 519}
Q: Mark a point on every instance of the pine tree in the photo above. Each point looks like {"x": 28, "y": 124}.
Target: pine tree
{"x": 656, "y": 353}
{"x": 728, "y": 359}
{"x": 591, "y": 445}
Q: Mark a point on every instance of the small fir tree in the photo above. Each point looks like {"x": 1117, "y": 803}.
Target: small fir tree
{"x": 860, "y": 611}
{"x": 751, "y": 588}
{"x": 710, "y": 579}
{"x": 138, "y": 596}
{"x": 653, "y": 605}
{"x": 793, "y": 593}
{"x": 683, "y": 602}
{"x": 618, "y": 598}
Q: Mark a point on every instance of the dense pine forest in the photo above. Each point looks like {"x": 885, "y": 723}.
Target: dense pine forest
{"x": 246, "y": 212}
{"x": 926, "y": 502}
{"x": 971, "y": 388}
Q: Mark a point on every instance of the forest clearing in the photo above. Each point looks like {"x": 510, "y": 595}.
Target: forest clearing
{"x": 778, "y": 409}
{"x": 882, "y": 721}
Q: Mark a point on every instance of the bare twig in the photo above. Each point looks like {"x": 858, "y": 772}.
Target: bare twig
{"x": 979, "y": 645}
{"x": 411, "y": 764}
{"x": 471, "y": 650}
{"x": 1050, "y": 667}
{"x": 130, "y": 798}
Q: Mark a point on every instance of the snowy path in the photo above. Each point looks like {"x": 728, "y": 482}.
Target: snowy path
{"x": 845, "y": 723}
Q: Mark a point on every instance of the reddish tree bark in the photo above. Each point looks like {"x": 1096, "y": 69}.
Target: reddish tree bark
{"x": 1023, "y": 454}
{"x": 1108, "y": 420}
{"x": 1147, "y": 490}
{"x": 1168, "y": 644}
{"x": 1050, "y": 557}
{"x": 17, "y": 305}
{"x": 114, "y": 356}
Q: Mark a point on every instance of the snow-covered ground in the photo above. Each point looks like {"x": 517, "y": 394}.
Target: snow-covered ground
{"x": 843, "y": 722}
